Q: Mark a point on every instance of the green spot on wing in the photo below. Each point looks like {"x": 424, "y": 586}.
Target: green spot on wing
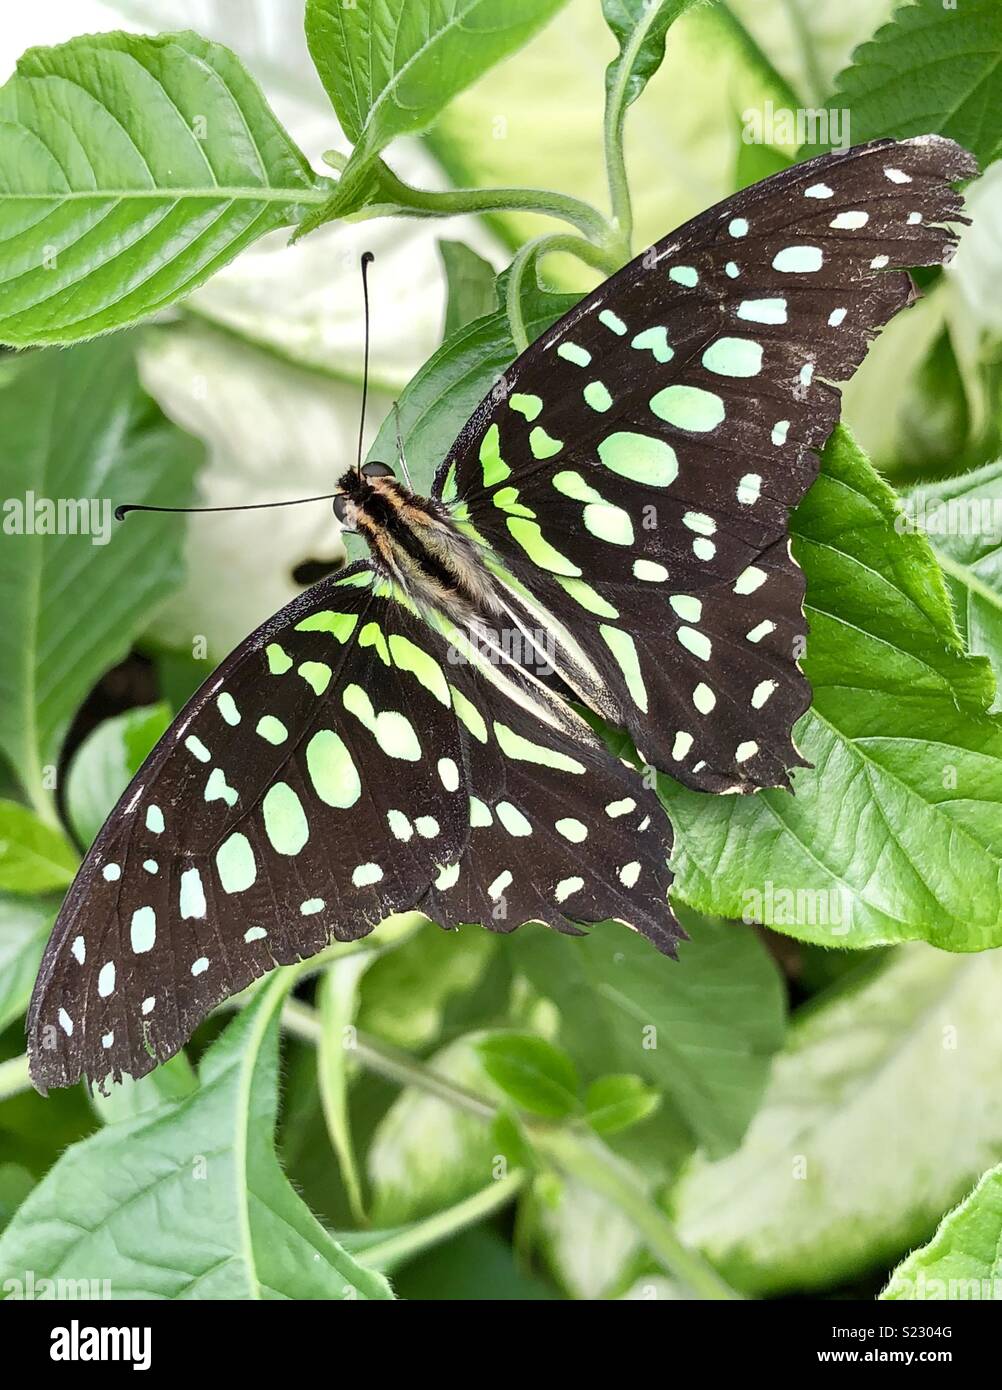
{"x": 689, "y": 408}
{"x": 513, "y": 745}
{"x": 528, "y": 535}
{"x": 525, "y": 404}
{"x": 272, "y": 729}
{"x": 624, "y": 650}
{"x": 392, "y": 731}
{"x": 587, "y": 597}
{"x": 469, "y": 715}
{"x": 495, "y": 469}
{"x": 543, "y": 446}
{"x": 640, "y": 457}
{"x": 407, "y": 656}
{"x": 372, "y": 636}
{"x": 339, "y": 625}
{"x": 279, "y": 660}
{"x": 332, "y": 770}
{"x": 235, "y": 864}
{"x": 317, "y": 675}
{"x": 737, "y": 357}
{"x": 285, "y": 820}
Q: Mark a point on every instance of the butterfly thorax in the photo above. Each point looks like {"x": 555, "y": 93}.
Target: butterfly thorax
{"x": 415, "y": 541}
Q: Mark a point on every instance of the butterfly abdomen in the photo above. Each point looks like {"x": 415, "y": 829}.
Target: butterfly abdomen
{"x": 415, "y": 542}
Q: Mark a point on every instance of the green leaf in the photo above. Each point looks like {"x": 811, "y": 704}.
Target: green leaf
{"x": 337, "y": 1003}
{"x": 105, "y": 763}
{"x": 15, "y": 1184}
{"x": 172, "y": 1081}
{"x": 703, "y": 1031}
{"x": 447, "y": 389}
{"x": 896, "y": 832}
{"x": 536, "y": 1075}
{"x": 134, "y": 168}
{"x": 34, "y": 857}
{"x": 389, "y": 66}
{"x": 618, "y": 1102}
{"x": 471, "y": 286}
{"x": 640, "y": 27}
{"x": 188, "y": 1200}
{"x": 962, "y": 519}
{"x": 76, "y": 428}
{"x": 25, "y": 924}
{"x": 407, "y": 991}
{"x": 476, "y": 1265}
{"x": 964, "y": 1258}
{"x": 882, "y": 1110}
{"x": 933, "y": 69}
{"x": 679, "y": 140}
{"x": 427, "y": 1154}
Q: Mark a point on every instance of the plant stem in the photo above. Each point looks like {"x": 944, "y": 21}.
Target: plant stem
{"x": 588, "y": 1160}
{"x": 575, "y": 1152}
{"x": 396, "y": 1249}
{"x": 450, "y": 202}
{"x": 14, "y": 1077}
{"x": 531, "y": 252}
{"x": 302, "y": 1021}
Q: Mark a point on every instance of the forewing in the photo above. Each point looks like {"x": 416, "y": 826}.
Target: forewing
{"x": 636, "y": 470}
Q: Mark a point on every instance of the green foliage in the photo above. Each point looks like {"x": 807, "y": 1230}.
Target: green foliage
{"x": 933, "y": 68}
{"x": 135, "y": 168}
{"x": 964, "y": 1258}
{"x": 614, "y": 1103}
{"x": 105, "y": 764}
{"x": 187, "y": 1200}
{"x": 640, "y": 27}
{"x": 78, "y": 426}
{"x": 539, "y": 1077}
{"x": 881, "y": 1112}
{"x": 470, "y": 281}
{"x": 24, "y": 927}
{"x": 389, "y": 66}
{"x": 703, "y": 1033}
{"x": 34, "y": 857}
{"x": 895, "y": 831}
{"x": 960, "y": 517}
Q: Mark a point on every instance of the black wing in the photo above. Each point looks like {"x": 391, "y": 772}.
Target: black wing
{"x": 636, "y": 470}
{"x": 338, "y": 767}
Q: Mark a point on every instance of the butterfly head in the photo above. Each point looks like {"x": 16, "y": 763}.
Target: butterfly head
{"x": 358, "y": 489}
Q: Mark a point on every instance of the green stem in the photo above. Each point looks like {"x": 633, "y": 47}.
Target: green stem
{"x": 590, "y": 1162}
{"x": 303, "y": 1022}
{"x": 14, "y": 1077}
{"x": 453, "y": 201}
{"x": 530, "y": 253}
{"x": 576, "y": 1153}
{"x": 394, "y": 1250}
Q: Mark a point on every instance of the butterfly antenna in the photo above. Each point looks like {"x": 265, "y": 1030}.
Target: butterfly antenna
{"x": 122, "y": 512}
{"x": 367, "y": 258}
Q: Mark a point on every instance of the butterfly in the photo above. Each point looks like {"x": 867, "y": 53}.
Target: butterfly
{"x": 609, "y": 533}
